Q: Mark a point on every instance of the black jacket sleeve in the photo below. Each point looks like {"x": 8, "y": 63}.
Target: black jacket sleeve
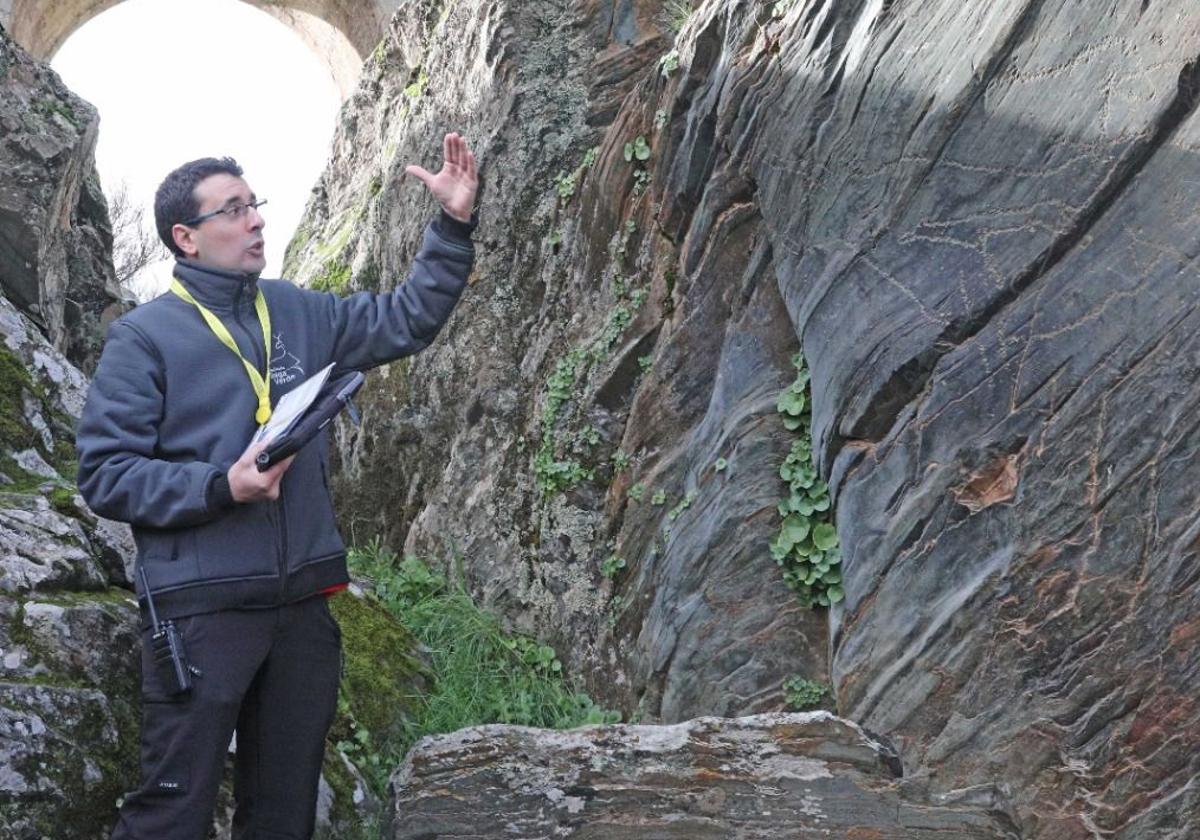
{"x": 119, "y": 475}
{"x": 371, "y": 329}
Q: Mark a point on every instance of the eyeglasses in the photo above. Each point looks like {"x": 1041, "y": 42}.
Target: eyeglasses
{"x": 233, "y": 212}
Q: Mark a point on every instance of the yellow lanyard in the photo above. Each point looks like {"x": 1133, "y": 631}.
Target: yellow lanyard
{"x": 262, "y": 387}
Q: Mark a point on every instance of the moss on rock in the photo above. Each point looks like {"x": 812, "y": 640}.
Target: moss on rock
{"x": 382, "y": 676}
{"x": 15, "y": 383}
{"x": 383, "y": 680}
{"x": 334, "y": 277}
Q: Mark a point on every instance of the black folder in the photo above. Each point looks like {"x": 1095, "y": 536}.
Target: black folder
{"x": 334, "y": 396}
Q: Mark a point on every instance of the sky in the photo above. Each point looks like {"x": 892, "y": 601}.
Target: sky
{"x": 176, "y": 80}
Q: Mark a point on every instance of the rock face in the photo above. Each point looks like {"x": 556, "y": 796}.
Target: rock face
{"x": 68, "y": 631}
{"x": 973, "y": 219}
{"x": 997, "y": 298}
{"x": 55, "y": 238}
{"x": 68, "y": 711}
{"x": 698, "y": 620}
{"x": 68, "y": 634}
{"x": 767, "y": 776}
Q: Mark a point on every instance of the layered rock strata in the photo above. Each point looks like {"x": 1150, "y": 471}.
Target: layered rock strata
{"x": 766, "y": 776}
{"x": 973, "y": 219}
{"x": 672, "y": 363}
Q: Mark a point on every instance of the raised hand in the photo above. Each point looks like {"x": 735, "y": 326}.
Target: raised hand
{"x": 456, "y": 184}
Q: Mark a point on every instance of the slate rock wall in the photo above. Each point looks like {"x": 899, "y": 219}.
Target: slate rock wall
{"x": 974, "y": 219}
{"x": 446, "y": 463}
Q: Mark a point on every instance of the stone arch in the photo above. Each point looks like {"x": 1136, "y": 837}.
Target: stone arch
{"x": 341, "y": 32}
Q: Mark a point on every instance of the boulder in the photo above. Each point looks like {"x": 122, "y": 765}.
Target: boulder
{"x": 767, "y": 776}
{"x": 68, "y": 712}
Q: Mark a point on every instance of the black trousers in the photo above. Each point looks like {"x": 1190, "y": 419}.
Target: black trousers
{"x": 270, "y": 674}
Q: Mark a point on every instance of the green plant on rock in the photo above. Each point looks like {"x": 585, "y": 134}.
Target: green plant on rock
{"x": 659, "y": 498}
{"x": 541, "y": 658}
{"x": 417, "y": 88}
{"x": 677, "y": 12}
{"x": 639, "y": 149}
{"x": 668, "y": 64}
{"x": 641, "y": 179}
{"x": 620, "y": 461}
{"x": 621, "y": 247}
{"x": 361, "y": 750}
{"x": 637, "y": 152}
{"x": 48, "y": 107}
{"x": 806, "y": 546}
{"x": 16, "y": 385}
{"x": 566, "y": 182}
{"x": 684, "y": 504}
{"x": 62, "y": 499}
{"x": 660, "y": 119}
{"x": 611, "y": 566}
{"x": 615, "y": 606}
{"x": 637, "y": 492}
{"x": 554, "y": 475}
{"x": 380, "y": 670}
{"x": 588, "y": 436}
{"x": 801, "y": 694}
{"x": 618, "y": 321}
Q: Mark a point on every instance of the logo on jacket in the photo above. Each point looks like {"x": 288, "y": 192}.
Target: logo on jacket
{"x": 285, "y": 367}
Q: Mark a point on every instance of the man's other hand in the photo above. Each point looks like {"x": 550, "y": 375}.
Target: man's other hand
{"x": 247, "y": 484}
{"x": 456, "y": 184}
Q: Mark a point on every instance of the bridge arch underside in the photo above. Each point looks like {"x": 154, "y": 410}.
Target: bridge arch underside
{"x": 342, "y": 33}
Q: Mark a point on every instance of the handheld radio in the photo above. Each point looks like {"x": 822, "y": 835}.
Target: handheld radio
{"x": 170, "y": 658}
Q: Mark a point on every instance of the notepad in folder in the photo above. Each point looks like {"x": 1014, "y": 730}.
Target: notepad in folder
{"x": 302, "y": 413}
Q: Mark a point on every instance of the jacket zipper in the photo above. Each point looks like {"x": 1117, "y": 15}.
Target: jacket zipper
{"x": 253, "y": 342}
{"x": 280, "y": 508}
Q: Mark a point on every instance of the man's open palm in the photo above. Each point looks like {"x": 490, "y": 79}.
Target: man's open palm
{"x": 456, "y": 184}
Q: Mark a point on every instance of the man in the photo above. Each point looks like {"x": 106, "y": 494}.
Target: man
{"x": 238, "y": 559}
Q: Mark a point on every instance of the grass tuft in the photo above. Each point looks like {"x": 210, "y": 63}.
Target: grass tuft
{"x": 481, "y": 674}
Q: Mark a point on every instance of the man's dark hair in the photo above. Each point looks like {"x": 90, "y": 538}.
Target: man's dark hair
{"x": 175, "y": 200}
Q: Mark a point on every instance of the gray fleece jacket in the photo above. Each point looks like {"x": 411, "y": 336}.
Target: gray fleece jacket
{"x": 171, "y": 408}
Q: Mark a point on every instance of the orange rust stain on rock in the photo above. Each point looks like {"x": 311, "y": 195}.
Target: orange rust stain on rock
{"x": 862, "y": 832}
{"x": 1185, "y": 634}
{"x": 1044, "y": 556}
{"x": 992, "y": 484}
{"x": 1168, "y": 715}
